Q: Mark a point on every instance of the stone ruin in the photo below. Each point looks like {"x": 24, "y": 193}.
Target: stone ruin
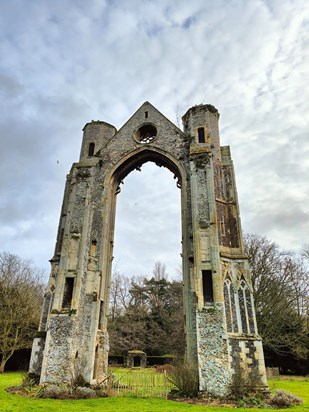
{"x": 136, "y": 358}
{"x": 220, "y": 323}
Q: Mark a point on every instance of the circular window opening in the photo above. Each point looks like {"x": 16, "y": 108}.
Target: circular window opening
{"x": 146, "y": 133}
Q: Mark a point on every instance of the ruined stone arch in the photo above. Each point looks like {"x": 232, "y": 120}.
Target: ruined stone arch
{"x": 211, "y": 241}
{"x": 135, "y": 160}
{"x": 113, "y": 179}
{"x": 140, "y": 156}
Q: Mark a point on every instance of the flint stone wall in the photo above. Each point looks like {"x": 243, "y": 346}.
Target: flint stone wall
{"x": 215, "y": 377}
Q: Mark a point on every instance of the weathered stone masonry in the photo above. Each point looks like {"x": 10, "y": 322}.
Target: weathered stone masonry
{"x": 221, "y": 332}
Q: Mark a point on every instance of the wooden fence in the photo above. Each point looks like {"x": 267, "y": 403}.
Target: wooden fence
{"x": 139, "y": 383}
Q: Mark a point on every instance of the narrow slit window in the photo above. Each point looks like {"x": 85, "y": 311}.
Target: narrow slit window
{"x": 207, "y": 286}
{"x": 93, "y": 248}
{"x": 91, "y": 149}
{"x": 146, "y": 115}
{"x": 222, "y": 228}
{"x": 101, "y": 314}
{"x": 201, "y": 134}
{"x": 68, "y": 293}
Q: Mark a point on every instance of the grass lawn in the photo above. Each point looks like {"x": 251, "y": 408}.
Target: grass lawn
{"x": 14, "y": 403}
{"x": 297, "y": 385}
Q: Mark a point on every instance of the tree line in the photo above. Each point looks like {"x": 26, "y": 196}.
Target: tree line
{"x": 146, "y": 314}
{"x": 21, "y": 299}
{"x": 280, "y": 288}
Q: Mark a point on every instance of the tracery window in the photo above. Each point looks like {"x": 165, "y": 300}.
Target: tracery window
{"x": 230, "y": 308}
{"x": 246, "y": 307}
{"x": 146, "y": 134}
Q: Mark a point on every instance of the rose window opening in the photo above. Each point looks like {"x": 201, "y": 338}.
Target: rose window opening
{"x": 146, "y": 134}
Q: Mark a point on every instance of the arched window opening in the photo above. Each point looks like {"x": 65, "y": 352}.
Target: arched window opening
{"x": 249, "y": 304}
{"x": 245, "y": 299}
{"x": 230, "y": 308}
{"x": 146, "y": 133}
{"x": 227, "y": 304}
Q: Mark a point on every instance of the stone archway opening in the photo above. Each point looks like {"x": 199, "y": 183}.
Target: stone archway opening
{"x": 147, "y": 222}
{"x": 147, "y": 230}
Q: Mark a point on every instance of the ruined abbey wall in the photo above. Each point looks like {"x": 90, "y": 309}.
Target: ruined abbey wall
{"x": 221, "y": 332}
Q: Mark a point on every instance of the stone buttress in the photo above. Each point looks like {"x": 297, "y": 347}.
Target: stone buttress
{"x": 221, "y": 332}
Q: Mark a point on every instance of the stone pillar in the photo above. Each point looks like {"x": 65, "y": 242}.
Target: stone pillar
{"x": 201, "y": 124}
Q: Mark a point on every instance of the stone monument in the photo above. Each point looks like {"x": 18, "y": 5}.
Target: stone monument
{"x": 220, "y": 323}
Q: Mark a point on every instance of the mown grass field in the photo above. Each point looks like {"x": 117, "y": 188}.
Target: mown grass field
{"x": 9, "y": 402}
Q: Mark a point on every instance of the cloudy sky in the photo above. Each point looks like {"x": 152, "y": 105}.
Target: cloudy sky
{"x": 66, "y": 62}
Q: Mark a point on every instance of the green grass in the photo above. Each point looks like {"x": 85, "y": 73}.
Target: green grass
{"x": 14, "y": 403}
{"x": 296, "y": 386}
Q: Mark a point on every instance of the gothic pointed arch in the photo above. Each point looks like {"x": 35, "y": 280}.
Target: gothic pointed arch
{"x": 245, "y": 301}
{"x": 135, "y": 160}
{"x": 229, "y": 304}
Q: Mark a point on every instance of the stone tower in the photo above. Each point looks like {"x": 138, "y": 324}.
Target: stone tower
{"x": 220, "y": 324}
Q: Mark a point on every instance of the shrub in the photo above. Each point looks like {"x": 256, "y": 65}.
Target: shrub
{"x": 85, "y": 393}
{"x": 55, "y": 392}
{"x": 284, "y": 399}
{"x": 257, "y": 401}
{"x": 78, "y": 381}
{"x": 160, "y": 360}
{"x": 29, "y": 380}
{"x": 77, "y": 373}
{"x": 184, "y": 376}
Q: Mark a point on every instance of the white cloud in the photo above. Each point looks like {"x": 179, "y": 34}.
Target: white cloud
{"x": 148, "y": 223}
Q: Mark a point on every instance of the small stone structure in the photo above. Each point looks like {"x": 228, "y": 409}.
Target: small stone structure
{"x": 136, "y": 358}
{"x": 220, "y": 322}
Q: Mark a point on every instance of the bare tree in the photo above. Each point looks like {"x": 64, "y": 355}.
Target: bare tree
{"x": 21, "y": 295}
{"x": 280, "y": 286}
{"x": 119, "y": 295}
{"x": 159, "y": 271}
{"x": 305, "y": 252}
